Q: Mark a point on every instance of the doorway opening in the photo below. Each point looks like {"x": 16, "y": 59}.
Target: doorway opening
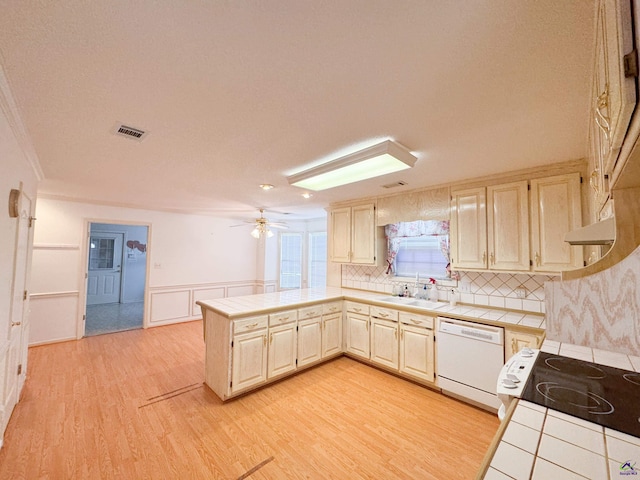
{"x": 116, "y": 278}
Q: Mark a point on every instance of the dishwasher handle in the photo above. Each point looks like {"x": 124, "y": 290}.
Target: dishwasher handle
{"x": 475, "y": 331}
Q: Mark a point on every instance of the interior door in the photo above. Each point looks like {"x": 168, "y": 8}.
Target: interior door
{"x": 105, "y": 268}
{"x": 13, "y": 370}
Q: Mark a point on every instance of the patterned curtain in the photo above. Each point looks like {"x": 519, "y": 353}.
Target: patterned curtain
{"x": 396, "y": 231}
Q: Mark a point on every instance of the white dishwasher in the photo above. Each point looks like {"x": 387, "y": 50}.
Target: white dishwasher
{"x": 470, "y": 356}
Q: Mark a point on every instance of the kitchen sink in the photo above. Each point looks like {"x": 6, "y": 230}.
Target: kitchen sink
{"x": 416, "y": 302}
{"x": 399, "y": 300}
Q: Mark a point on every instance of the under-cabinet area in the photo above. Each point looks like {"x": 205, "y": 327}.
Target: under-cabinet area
{"x": 247, "y": 348}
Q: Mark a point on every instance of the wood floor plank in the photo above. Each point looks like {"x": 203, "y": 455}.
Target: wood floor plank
{"x": 85, "y": 412}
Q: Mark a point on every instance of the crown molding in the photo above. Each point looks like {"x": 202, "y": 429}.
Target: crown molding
{"x": 10, "y": 110}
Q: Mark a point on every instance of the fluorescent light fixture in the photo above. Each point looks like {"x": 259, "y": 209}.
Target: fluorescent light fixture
{"x": 381, "y": 159}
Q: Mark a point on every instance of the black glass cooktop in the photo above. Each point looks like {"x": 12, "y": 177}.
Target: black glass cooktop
{"x": 600, "y": 394}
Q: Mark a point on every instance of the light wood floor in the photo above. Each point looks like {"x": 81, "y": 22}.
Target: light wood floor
{"x": 132, "y": 405}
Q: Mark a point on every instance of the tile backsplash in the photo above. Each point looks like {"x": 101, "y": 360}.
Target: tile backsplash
{"x": 477, "y": 288}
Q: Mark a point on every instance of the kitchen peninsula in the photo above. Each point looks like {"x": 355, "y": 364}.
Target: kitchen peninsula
{"x": 255, "y": 339}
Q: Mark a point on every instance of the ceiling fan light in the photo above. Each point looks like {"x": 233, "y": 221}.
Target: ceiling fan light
{"x": 255, "y": 233}
{"x": 269, "y": 233}
{"x": 377, "y": 160}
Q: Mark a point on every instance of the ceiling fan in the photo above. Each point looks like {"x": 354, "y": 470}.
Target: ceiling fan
{"x": 262, "y": 225}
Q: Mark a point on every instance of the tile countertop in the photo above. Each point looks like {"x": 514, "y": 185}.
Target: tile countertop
{"x": 236, "y": 307}
{"x": 539, "y": 443}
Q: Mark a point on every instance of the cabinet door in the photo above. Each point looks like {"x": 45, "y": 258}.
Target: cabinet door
{"x": 363, "y": 234}
{"x": 331, "y": 334}
{"x": 508, "y": 226}
{"x": 615, "y": 94}
{"x": 358, "y": 334}
{"x": 340, "y": 235}
{"x": 555, "y": 210}
{"x": 417, "y": 352}
{"x": 516, "y": 341}
{"x": 249, "y": 360}
{"x": 384, "y": 342}
{"x": 282, "y": 350}
{"x": 468, "y": 234}
{"x": 309, "y": 341}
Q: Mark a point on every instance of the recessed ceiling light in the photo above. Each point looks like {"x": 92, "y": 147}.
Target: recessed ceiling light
{"x": 307, "y": 195}
{"x": 266, "y": 186}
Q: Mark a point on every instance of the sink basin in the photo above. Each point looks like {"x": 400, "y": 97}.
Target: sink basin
{"x": 399, "y": 300}
{"x": 414, "y": 302}
{"x": 429, "y": 304}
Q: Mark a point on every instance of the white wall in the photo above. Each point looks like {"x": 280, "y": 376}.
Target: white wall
{"x": 190, "y": 258}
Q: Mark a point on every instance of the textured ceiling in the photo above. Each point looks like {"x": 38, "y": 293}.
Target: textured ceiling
{"x": 239, "y": 93}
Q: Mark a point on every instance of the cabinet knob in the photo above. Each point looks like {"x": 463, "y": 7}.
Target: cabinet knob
{"x": 536, "y": 258}
{"x": 484, "y": 257}
{"x": 492, "y": 259}
{"x": 514, "y": 346}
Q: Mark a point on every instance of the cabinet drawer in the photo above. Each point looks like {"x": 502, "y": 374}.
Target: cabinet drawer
{"x": 333, "y": 307}
{"x": 357, "y": 307}
{"x": 281, "y": 318}
{"x": 417, "y": 320}
{"x": 310, "y": 312}
{"x": 385, "y": 313}
{"x": 249, "y": 324}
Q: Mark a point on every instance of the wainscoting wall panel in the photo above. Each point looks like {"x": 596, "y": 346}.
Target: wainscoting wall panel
{"x": 170, "y": 306}
{"x": 205, "y": 294}
{"x": 49, "y": 315}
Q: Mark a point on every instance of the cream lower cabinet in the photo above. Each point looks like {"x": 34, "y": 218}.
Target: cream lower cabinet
{"x": 417, "y": 354}
{"x": 309, "y": 341}
{"x": 249, "y": 353}
{"x": 384, "y": 342}
{"x": 309, "y": 335}
{"x": 357, "y": 329}
{"x": 516, "y": 341}
{"x": 282, "y": 343}
{"x": 331, "y": 334}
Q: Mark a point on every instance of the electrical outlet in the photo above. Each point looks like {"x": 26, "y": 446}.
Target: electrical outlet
{"x": 157, "y": 265}
{"x": 521, "y": 292}
{"x": 464, "y": 287}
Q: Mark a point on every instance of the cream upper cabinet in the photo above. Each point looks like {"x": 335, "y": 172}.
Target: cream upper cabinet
{"x": 490, "y": 227}
{"x": 614, "y": 91}
{"x": 340, "y": 235}
{"x": 555, "y": 210}
{"x": 468, "y": 229}
{"x": 354, "y": 237}
{"x": 508, "y": 226}
{"x": 363, "y": 234}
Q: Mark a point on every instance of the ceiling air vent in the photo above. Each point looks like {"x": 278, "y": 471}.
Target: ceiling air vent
{"x": 395, "y": 184}
{"x": 130, "y": 132}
